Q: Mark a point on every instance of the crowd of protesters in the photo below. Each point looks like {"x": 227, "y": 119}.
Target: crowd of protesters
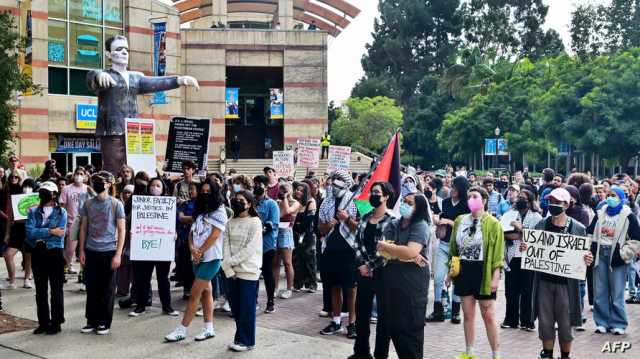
{"x": 374, "y": 267}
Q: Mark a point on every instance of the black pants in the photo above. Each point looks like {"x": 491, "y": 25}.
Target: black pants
{"x": 304, "y": 261}
{"x": 518, "y": 287}
{"x": 143, "y": 270}
{"x": 327, "y": 305}
{"x": 184, "y": 266}
{"x": 325, "y": 152}
{"x": 404, "y": 304}
{"x": 590, "y": 284}
{"x": 48, "y": 271}
{"x": 100, "y": 281}
{"x": 267, "y": 274}
{"x": 368, "y": 288}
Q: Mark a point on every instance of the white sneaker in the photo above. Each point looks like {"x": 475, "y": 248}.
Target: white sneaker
{"x": 217, "y": 305}
{"x": 286, "y": 294}
{"x": 28, "y": 284}
{"x": 173, "y": 313}
{"x": 199, "y": 313}
{"x": 344, "y": 315}
{"x": 205, "y": 335}
{"x": 580, "y": 328}
{"x": 239, "y": 347}
{"x": 8, "y": 286}
{"x": 323, "y": 314}
{"x": 601, "y": 330}
{"x": 102, "y": 330}
{"x": 226, "y": 307}
{"x": 175, "y": 336}
{"x": 136, "y": 313}
{"x": 617, "y": 331}
{"x": 83, "y": 288}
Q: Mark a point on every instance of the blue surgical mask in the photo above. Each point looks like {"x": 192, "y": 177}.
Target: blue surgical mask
{"x": 613, "y": 202}
{"x": 237, "y": 187}
{"x": 406, "y": 210}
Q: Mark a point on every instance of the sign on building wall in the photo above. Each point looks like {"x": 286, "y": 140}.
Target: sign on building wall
{"x": 70, "y": 144}
{"x": 26, "y": 30}
{"x": 188, "y": 140}
{"x": 339, "y": 158}
{"x": 490, "y": 147}
{"x": 283, "y": 163}
{"x": 153, "y": 228}
{"x": 309, "y": 152}
{"x": 141, "y": 144}
{"x": 159, "y": 58}
{"x": 86, "y": 116}
{"x": 276, "y": 97}
{"x": 231, "y": 103}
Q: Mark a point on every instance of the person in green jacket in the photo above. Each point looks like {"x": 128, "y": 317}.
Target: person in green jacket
{"x": 478, "y": 240}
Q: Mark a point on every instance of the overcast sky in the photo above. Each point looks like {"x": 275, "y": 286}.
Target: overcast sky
{"x": 346, "y": 51}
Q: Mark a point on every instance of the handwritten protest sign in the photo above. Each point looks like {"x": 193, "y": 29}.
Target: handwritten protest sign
{"x": 141, "y": 145}
{"x": 309, "y": 153}
{"x": 22, "y": 203}
{"x": 339, "y": 158}
{"x": 560, "y": 254}
{"x": 283, "y": 163}
{"x": 153, "y": 228}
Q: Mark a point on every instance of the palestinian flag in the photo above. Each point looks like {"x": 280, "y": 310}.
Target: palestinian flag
{"x": 387, "y": 170}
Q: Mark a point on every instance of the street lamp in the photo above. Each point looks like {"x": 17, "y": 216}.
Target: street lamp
{"x": 497, "y": 131}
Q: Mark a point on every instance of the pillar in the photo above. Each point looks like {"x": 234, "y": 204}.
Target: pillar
{"x": 285, "y": 14}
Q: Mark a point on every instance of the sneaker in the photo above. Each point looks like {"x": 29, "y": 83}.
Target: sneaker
{"x": 601, "y": 330}
{"x": 88, "y": 329}
{"x": 8, "y": 286}
{"x": 28, "y": 284}
{"x": 175, "y": 336}
{"x": 331, "y": 329}
{"x": 617, "y": 331}
{"x": 297, "y": 290}
{"x": 311, "y": 290}
{"x": 70, "y": 270}
{"x": 580, "y": 328}
{"x": 226, "y": 307}
{"x": 217, "y": 305}
{"x": 125, "y": 303}
{"x": 505, "y": 325}
{"x": 351, "y": 331}
{"x": 239, "y": 347}
{"x": 102, "y": 330}
{"x": 270, "y": 308}
{"x": 286, "y": 294}
{"x": 40, "y": 330}
{"x": 171, "y": 313}
{"x": 528, "y": 328}
{"x": 344, "y": 315}
{"x": 200, "y": 313}
{"x": 83, "y": 288}
{"x": 205, "y": 335}
{"x": 465, "y": 356}
{"x": 373, "y": 320}
{"x": 137, "y": 312}
{"x": 323, "y": 314}
{"x": 542, "y": 355}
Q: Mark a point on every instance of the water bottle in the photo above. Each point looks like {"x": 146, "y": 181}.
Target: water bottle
{"x": 446, "y": 304}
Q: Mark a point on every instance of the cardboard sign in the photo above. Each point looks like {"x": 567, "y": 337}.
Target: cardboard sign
{"x": 153, "y": 228}
{"x": 309, "y": 153}
{"x": 140, "y": 136}
{"x": 188, "y": 140}
{"x": 283, "y": 163}
{"x": 22, "y": 203}
{"x": 339, "y": 158}
{"x": 560, "y": 254}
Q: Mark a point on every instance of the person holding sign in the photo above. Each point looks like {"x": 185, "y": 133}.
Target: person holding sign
{"x": 556, "y": 299}
{"x": 477, "y": 245}
{"x": 615, "y": 243}
{"x": 205, "y": 242}
{"x": 46, "y": 225}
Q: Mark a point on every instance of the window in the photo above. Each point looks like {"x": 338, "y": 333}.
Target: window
{"x": 77, "y": 32}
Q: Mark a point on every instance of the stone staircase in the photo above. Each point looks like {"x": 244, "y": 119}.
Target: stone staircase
{"x": 253, "y": 167}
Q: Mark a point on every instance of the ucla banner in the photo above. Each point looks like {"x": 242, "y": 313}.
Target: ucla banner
{"x": 277, "y": 103}
{"x": 86, "y": 116}
{"x": 159, "y": 58}
{"x": 26, "y": 30}
{"x": 231, "y": 99}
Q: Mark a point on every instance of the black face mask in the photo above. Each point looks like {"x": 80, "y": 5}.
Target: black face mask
{"x": 556, "y": 209}
{"x": 375, "y": 200}
{"x": 428, "y": 193}
{"x": 140, "y": 188}
{"x": 45, "y": 196}
{"x": 237, "y": 206}
{"x": 98, "y": 186}
{"x": 258, "y": 191}
{"x": 521, "y": 204}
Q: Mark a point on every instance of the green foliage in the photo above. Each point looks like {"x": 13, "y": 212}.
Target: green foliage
{"x": 13, "y": 81}
{"x": 368, "y": 122}
{"x": 35, "y": 171}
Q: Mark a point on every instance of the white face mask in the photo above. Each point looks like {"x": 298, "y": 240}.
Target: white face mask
{"x": 155, "y": 190}
{"x": 27, "y": 190}
{"x": 78, "y": 179}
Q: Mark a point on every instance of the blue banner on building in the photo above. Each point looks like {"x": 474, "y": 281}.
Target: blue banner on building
{"x": 564, "y": 148}
{"x": 159, "y": 58}
{"x": 503, "y": 148}
{"x": 277, "y": 104}
{"x": 231, "y": 106}
{"x": 86, "y": 116}
{"x": 490, "y": 147}
{"x": 77, "y": 144}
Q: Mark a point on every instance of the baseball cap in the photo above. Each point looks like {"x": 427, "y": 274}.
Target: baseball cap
{"x": 515, "y": 186}
{"x": 49, "y": 186}
{"x": 560, "y": 194}
{"x": 441, "y": 173}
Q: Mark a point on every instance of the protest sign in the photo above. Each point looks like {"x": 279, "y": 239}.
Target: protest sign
{"x": 507, "y": 218}
{"x": 560, "y": 254}
{"x": 339, "y": 158}
{"x": 153, "y": 228}
{"x": 22, "y": 203}
{"x": 141, "y": 144}
{"x": 188, "y": 140}
{"x": 283, "y": 163}
{"x": 309, "y": 153}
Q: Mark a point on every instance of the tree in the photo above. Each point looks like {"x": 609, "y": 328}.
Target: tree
{"x": 334, "y": 112}
{"x": 368, "y": 122}
{"x": 14, "y": 82}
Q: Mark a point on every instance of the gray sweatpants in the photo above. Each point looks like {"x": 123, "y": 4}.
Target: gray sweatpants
{"x": 553, "y": 307}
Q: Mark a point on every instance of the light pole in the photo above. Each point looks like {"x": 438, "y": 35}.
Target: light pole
{"x": 497, "y": 133}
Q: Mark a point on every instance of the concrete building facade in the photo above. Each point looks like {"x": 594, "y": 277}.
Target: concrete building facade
{"x": 253, "y": 46}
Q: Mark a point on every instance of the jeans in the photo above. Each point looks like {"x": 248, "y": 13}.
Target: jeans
{"x": 220, "y": 287}
{"x": 441, "y": 271}
{"x": 100, "y": 281}
{"x": 609, "y": 307}
{"x": 48, "y": 271}
{"x": 143, "y": 270}
{"x": 631, "y": 279}
{"x": 242, "y": 295}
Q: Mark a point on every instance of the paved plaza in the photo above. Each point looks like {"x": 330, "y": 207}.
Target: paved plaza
{"x": 291, "y": 332}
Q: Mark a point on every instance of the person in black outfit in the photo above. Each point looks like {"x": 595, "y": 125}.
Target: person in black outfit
{"x": 304, "y": 235}
{"x": 368, "y": 234}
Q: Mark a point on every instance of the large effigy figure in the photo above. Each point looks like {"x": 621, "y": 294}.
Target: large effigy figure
{"x": 117, "y": 90}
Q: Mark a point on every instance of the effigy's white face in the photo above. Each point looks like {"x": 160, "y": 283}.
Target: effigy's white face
{"x": 119, "y": 53}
